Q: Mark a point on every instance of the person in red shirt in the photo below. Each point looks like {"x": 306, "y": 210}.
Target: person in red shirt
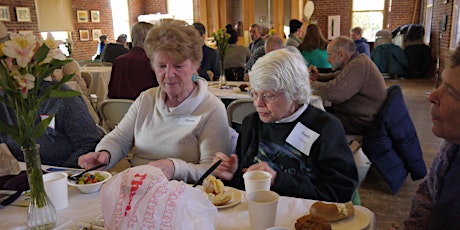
{"x": 132, "y": 72}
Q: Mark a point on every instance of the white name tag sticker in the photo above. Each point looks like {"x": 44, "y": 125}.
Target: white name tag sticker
{"x": 52, "y": 124}
{"x": 192, "y": 120}
{"x": 302, "y": 138}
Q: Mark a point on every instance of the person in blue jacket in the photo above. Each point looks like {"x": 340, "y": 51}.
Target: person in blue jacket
{"x": 362, "y": 46}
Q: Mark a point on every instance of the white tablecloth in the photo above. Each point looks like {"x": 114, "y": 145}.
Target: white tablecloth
{"x": 101, "y": 79}
{"x": 85, "y": 208}
{"x": 227, "y": 92}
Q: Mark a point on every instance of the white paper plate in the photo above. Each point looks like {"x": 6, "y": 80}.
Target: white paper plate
{"x": 236, "y": 199}
{"x": 358, "y": 222}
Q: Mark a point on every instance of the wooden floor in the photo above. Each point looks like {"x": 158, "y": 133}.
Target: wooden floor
{"x": 375, "y": 194}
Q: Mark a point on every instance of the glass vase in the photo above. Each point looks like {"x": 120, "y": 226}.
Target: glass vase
{"x": 41, "y": 213}
{"x": 222, "y": 79}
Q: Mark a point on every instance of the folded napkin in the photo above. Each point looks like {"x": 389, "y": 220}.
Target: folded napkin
{"x": 142, "y": 198}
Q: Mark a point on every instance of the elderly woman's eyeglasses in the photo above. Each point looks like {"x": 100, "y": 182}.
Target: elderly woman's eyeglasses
{"x": 267, "y": 98}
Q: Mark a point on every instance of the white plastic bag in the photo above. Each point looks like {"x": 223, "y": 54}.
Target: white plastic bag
{"x": 142, "y": 198}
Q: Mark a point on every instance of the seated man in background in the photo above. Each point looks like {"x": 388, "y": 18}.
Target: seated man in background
{"x": 113, "y": 50}
{"x": 295, "y": 33}
{"x": 273, "y": 43}
{"x": 303, "y": 147}
{"x": 211, "y": 59}
{"x": 361, "y": 43}
{"x": 255, "y": 32}
{"x": 235, "y": 58}
{"x": 72, "y": 132}
{"x": 103, "y": 40}
{"x": 357, "y": 90}
{"x": 132, "y": 73}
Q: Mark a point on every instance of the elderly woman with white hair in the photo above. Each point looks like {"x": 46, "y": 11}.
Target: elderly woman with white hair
{"x": 303, "y": 147}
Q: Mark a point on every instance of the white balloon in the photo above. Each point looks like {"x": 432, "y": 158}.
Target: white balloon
{"x": 309, "y": 8}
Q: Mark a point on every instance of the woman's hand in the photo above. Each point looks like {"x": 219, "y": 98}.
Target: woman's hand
{"x": 166, "y": 165}
{"x": 92, "y": 159}
{"x": 263, "y": 166}
{"x": 228, "y": 167}
{"x": 314, "y": 73}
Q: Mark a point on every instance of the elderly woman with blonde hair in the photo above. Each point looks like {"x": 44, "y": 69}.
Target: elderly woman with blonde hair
{"x": 177, "y": 126}
{"x": 303, "y": 147}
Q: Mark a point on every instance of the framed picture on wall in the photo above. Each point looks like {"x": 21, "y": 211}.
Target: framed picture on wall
{"x": 333, "y": 26}
{"x": 96, "y": 35}
{"x": 23, "y": 14}
{"x": 95, "y": 17}
{"x": 82, "y": 16}
{"x": 4, "y": 13}
{"x": 84, "y": 35}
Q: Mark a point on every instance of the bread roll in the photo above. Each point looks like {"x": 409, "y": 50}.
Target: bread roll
{"x": 219, "y": 199}
{"x": 312, "y": 222}
{"x": 213, "y": 185}
{"x": 215, "y": 189}
{"x": 333, "y": 211}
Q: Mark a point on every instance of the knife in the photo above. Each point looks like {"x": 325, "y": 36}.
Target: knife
{"x": 210, "y": 170}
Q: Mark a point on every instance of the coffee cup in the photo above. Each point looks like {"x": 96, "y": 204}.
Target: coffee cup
{"x": 56, "y": 189}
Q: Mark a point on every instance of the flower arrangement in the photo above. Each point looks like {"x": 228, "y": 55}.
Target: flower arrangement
{"x": 221, "y": 38}
{"x": 25, "y": 62}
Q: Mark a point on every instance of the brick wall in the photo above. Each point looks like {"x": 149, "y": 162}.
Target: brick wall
{"x": 403, "y": 12}
{"x": 84, "y": 50}
{"x": 141, "y": 7}
{"x": 81, "y": 49}
{"x": 13, "y": 25}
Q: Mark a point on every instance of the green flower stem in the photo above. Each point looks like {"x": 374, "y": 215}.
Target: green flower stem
{"x": 35, "y": 175}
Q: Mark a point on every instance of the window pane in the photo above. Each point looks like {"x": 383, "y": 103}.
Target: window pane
{"x": 59, "y": 35}
{"x": 371, "y": 22}
{"x": 120, "y": 18}
{"x": 181, "y": 9}
{"x": 359, "y": 5}
{"x": 428, "y": 15}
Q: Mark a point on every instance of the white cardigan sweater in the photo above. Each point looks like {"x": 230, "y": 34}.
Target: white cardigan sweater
{"x": 189, "y": 134}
